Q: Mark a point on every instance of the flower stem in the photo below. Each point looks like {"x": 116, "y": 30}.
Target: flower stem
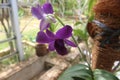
{"x": 59, "y": 20}
{"x": 81, "y": 53}
{"x": 92, "y": 74}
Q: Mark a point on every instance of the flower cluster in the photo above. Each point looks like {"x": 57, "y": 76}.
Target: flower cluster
{"x": 56, "y": 41}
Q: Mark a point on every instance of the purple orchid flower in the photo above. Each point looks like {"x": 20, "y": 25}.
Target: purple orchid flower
{"x": 45, "y": 13}
{"x": 57, "y": 41}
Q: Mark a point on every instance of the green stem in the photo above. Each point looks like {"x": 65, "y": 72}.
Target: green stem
{"x": 92, "y": 74}
{"x": 59, "y": 20}
{"x": 81, "y": 54}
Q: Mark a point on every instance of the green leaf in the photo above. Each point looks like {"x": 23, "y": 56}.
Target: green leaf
{"x": 80, "y": 33}
{"x": 90, "y": 5}
{"x": 104, "y": 75}
{"x": 79, "y": 70}
{"x": 76, "y": 67}
{"x": 78, "y": 78}
{"x": 77, "y": 23}
{"x": 90, "y": 9}
{"x": 21, "y": 12}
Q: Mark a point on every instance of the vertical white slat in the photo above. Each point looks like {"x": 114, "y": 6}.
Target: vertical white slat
{"x": 15, "y": 24}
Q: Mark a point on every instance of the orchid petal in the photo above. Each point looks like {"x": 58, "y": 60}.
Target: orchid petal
{"x": 47, "y": 8}
{"x": 70, "y": 43}
{"x": 43, "y": 38}
{"x": 50, "y": 34}
{"x": 64, "y": 32}
{"x": 51, "y": 46}
{"x": 44, "y": 25}
{"x": 37, "y": 12}
{"x": 60, "y": 47}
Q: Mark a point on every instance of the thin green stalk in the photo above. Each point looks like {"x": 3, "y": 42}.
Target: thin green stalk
{"x": 78, "y": 47}
{"x": 59, "y": 20}
{"x": 92, "y": 74}
{"x": 81, "y": 54}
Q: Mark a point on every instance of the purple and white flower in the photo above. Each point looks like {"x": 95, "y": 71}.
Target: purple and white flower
{"x": 44, "y": 13}
{"x": 57, "y": 41}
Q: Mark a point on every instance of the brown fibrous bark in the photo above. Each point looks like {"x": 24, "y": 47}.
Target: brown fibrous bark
{"x": 108, "y": 13}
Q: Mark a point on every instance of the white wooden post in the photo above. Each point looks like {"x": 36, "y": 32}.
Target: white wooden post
{"x": 15, "y": 25}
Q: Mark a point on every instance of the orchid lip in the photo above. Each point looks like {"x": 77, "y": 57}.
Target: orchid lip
{"x": 49, "y": 18}
{"x": 60, "y": 47}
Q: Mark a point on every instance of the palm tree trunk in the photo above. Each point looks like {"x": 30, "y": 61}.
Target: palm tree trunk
{"x": 105, "y": 32}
